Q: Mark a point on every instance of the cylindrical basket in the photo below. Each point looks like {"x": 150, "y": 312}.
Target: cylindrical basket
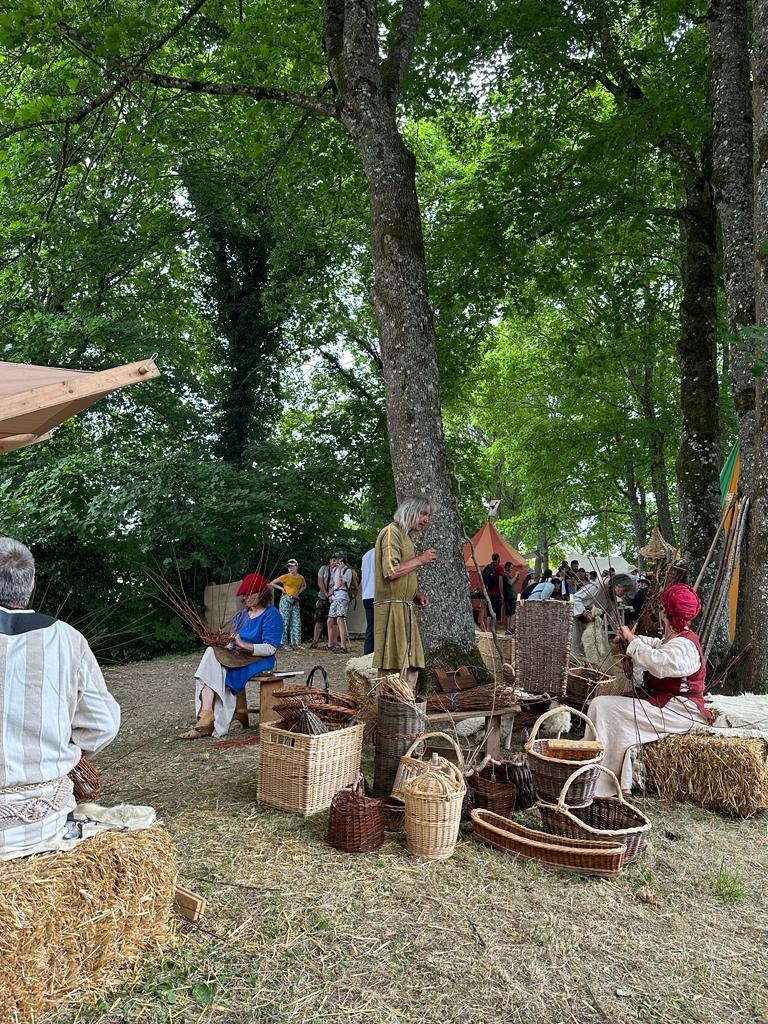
{"x": 433, "y": 811}
{"x": 397, "y": 726}
{"x": 551, "y": 773}
{"x": 606, "y": 818}
{"x": 410, "y": 766}
{"x": 85, "y": 780}
{"x": 394, "y": 816}
{"x": 356, "y": 821}
{"x": 494, "y": 788}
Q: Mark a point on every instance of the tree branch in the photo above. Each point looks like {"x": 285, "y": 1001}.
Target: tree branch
{"x": 397, "y": 61}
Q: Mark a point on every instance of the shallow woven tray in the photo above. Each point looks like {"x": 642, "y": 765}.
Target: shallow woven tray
{"x": 543, "y": 646}
{"x": 605, "y": 859}
{"x": 609, "y": 818}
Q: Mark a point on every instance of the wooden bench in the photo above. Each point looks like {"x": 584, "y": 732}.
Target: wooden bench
{"x": 492, "y": 742}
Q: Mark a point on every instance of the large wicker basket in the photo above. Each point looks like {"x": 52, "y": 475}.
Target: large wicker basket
{"x": 303, "y": 773}
{"x": 433, "y": 811}
{"x": 606, "y": 818}
{"x": 585, "y": 857}
{"x": 397, "y": 726}
{"x": 543, "y": 646}
{"x": 356, "y": 821}
{"x": 550, "y": 773}
{"x": 489, "y": 654}
{"x": 411, "y": 766}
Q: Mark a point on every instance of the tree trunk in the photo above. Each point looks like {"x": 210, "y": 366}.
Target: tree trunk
{"x": 699, "y": 458}
{"x": 757, "y": 592}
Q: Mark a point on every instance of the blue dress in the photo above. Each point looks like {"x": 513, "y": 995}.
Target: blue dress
{"x": 266, "y": 628}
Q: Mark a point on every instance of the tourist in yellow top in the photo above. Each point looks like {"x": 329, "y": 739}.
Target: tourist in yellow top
{"x": 292, "y": 584}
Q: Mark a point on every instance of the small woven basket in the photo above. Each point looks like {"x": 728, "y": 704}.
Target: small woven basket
{"x": 356, "y": 821}
{"x": 394, "y": 816}
{"x": 550, "y": 774}
{"x": 410, "y": 767}
{"x": 85, "y": 780}
{"x": 607, "y": 818}
{"x": 397, "y": 726}
{"x": 433, "y": 811}
{"x": 585, "y": 683}
{"x": 519, "y": 772}
{"x": 494, "y": 788}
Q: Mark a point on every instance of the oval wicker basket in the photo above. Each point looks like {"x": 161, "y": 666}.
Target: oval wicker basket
{"x": 356, "y": 821}
{"x": 550, "y": 773}
{"x": 410, "y": 767}
{"x": 433, "y": 811}
{"x": 606, "y": 818}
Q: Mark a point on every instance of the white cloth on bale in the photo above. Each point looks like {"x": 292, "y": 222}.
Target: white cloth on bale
{"x": 54, "y": 707}
{"x": 624, "y": 723}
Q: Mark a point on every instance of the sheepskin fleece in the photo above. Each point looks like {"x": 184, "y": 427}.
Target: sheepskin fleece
{"x": 363, "y": 666}
{"x": 747, "y": 711}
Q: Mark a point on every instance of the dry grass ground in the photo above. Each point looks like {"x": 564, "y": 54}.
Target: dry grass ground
{"x": 296, "y": 932}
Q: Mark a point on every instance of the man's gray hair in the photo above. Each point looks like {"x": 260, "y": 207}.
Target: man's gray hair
{"x": 408, "y": 512}
{"x": 623, "y": 579}
{"x": 17, "y": 573}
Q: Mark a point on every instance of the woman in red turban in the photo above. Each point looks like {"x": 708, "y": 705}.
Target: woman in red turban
{"x": 671, "y": 696}
{"x": 255, "y": 638}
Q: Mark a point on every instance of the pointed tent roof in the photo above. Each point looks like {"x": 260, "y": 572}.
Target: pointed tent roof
{"x": 486, "y": 541}
{"x": 33, "y": 399}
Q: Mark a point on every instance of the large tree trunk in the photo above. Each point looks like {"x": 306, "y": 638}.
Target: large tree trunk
{"x": 700, "y": 457}
{"x": 757, "y": 592}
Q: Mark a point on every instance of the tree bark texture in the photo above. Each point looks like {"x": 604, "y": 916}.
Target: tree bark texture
{"x": 700, "y": 457}
{"x": 732, "y": 178}
{"x": 757, "y": 593}
{"x": 400, "y": 299}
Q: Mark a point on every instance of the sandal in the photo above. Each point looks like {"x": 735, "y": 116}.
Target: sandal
{"x": 202, "y": 728}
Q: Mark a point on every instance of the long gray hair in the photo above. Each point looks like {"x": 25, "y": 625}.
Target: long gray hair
{"x": 408, "y": 511}
{"x": 17, "y": 573}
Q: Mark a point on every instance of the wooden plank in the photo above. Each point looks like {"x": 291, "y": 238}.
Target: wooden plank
{"x": 189, "y": 904}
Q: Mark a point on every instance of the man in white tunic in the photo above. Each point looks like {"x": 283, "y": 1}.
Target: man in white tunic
{"x": 54, "y": 707}
{"x": 598, "y": 598}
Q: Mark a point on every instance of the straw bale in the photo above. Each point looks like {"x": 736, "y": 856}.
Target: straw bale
{"x": 721, "y": 773}
{"x": 72, "y": 924}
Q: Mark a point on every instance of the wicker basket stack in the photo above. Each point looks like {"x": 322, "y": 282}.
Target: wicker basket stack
{"x": 397, "y": 726}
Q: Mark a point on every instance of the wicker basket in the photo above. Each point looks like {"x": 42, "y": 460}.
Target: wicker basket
{"x": 410, "y": 766}
{"x": 394, "y": 816}
{"x": 494, "y": 788}
{"x": 550, "y": 774}
{"x": 586, "y": 683}
{"x": 303, "y": 773}
{"x": 543, "y": 646}
{"x": 397, "y": 726}
{"x": 607, "y": 818}
{"x": 433, "y": 811}
{"x": 585, "y": 857}
{"x": 85, "y": 780}
{"x": 356, "y": 822}
{"x": 519, "y": 772}
{"x": 490, "y": 655}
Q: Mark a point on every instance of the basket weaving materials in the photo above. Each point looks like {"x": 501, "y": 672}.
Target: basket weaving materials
{"x": 356, "y": 821}
{"x": 330, "y": 714}
{"x": 490, "y": 655}
{"x": 309, "y": 724}
{"x": 361, "y": 684}
{"x": 542, "y": 650}
{"x": 303, "y": 773}
{"x": 494, "y": 788}
{"x": 550, "y": 773}
{"x": 720, "y": 773}
{"x": 481, "y": 698}
{"x": 433, "y": 803}
{"x": 606, "y": 818}
{"x": 585, "y": 857}
{"x": 411, "y": 766}
{"x": 85, "y": 780}
{"x": 73, "y": 924}
{"x": 397, "y": 726}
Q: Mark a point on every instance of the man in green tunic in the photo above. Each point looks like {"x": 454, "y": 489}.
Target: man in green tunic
{"x": 397, "y": 644}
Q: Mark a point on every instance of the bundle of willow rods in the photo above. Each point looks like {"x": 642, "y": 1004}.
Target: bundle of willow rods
{"x": 392, "y": 687}
{"x": 481, "y": 698}
{"x": 186, "y": 611}
{"x": 714, "y": 609}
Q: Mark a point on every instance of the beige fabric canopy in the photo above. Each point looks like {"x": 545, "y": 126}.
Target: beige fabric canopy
{"x": 34, "y": 399}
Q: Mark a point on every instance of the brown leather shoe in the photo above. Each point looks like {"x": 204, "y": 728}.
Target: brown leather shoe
{"x": 203, "y": 727}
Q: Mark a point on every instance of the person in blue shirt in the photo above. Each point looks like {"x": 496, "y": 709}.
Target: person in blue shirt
{"x": 543, "y": 591}
{"x": 220, "y": 685}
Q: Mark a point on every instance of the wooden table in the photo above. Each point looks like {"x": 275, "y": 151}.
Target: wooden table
{"x": 492, "y": 744}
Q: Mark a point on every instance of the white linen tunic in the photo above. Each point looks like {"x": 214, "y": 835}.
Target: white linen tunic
{"x": 54, "y": 707}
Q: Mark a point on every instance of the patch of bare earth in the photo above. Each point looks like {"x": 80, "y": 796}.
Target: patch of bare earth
{"x": 296, "y": 932}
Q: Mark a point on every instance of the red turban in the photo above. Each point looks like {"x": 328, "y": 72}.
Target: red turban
{"x": 682, "y": 605}
{"x": 254, "y": 583}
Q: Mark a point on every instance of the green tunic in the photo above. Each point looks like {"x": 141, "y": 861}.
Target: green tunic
{"x": 397, "y": 643}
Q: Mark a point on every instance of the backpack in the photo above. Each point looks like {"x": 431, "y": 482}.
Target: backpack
{"x": 354, "y": 585}
{"x": 489, "y": 576}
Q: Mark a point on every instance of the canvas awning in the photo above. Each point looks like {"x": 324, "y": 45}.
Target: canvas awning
{"x": 34, "y": 399}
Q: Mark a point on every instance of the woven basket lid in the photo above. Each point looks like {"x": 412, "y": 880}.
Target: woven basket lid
{"x": 433, "y": 781}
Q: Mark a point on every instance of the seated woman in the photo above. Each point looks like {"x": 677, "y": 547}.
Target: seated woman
{"x": 256, "y": 634}
{"x": 671, "y": 699}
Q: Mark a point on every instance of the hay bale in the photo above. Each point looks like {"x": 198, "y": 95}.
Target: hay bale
{"x": 72, "y": 924}
{"x": 721, "y": 773}
{"x": 361, "y": 683}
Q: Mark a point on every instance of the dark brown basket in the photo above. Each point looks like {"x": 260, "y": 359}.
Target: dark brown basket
{"x": 550, "y": 774}
{"x": 85, "y": 780}
{"x": 397, "y": 726}
{"x": 583, "y": 682}
{"x": 494, "y": 788}
{"x": 520, "y": 773}
{"x": 607, "y": 818}
{"x": 356, "y": 822}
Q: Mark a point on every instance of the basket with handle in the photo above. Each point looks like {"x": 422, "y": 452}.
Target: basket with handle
{"x": 493, "y": 787}
{"x": 329, "y": 705}
{"x": 411, "y": 766}
{"x": 433, "y": 810}
{"x": 85, "y": 780}
{"x": 356, "y": 821}
{"x": 551, "y": 768}
{"x": 606, "y": 818}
